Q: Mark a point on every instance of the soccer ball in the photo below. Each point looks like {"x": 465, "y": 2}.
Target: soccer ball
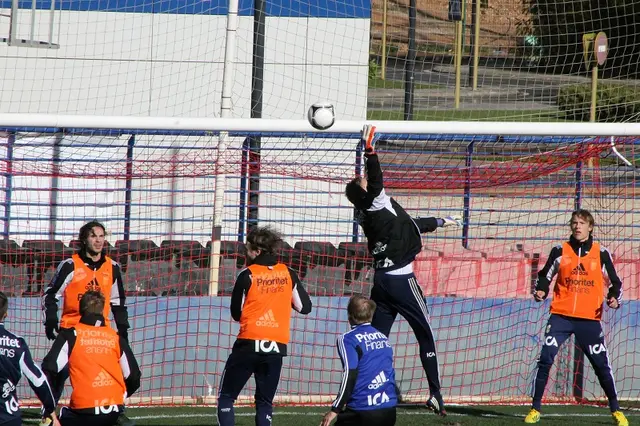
{"x": 321, "y": 115}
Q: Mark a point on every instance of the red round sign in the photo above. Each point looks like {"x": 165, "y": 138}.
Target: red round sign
{"x": 601, "y": 48}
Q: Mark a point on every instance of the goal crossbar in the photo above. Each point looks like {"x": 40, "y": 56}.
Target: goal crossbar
{"x": 52, "y": 121}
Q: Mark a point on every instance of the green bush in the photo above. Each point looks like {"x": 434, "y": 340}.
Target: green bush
{"x": 615, "y": 102}
{"x": 374, "y": 69}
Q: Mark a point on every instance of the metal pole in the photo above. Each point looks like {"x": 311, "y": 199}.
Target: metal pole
{"x": 463, "y": 24}
{"x": 225, "y": 112}
{"x": 242, "y": 209}
{"x": 458, "y": 66}
{"x": 52, "y": 12}
{"x": 128, "y": 188}
{"x": 173, "y": 193}
{"x": 409, "y": 65}
{"x": 466, "y": 212}
{"x": 33, "y": 21}
{"x": 13, "y": 22}
{"x": 594, "y": 93}
{"x": 55, "y": 184}
{"x": 8, "y": 188}
{"x": 383, "y": 72}
{"x": 257, "y": 82}
{"x": 475, "y": 44}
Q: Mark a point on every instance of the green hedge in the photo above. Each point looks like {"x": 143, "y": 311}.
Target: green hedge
{"x": 615, "y": 102}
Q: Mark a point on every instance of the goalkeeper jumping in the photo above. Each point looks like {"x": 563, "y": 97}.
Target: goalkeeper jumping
{"x": 394, "y": 240}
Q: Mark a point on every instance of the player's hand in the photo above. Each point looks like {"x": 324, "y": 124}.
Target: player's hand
{"x": 328, "y": 418}
{"x": 51, "y": 420}
{"x": 368, "y": 137}
{"x": 452, "y": 221}
{"x": 51, "y": 328}
{"x": 539, "y": 295}
{"x": 613, "y": 303}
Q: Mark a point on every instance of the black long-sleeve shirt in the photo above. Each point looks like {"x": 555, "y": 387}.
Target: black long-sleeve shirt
{"x": 550, "y": 269}
{"x": 64, "y": 275}
{"x": 393, "y": 236}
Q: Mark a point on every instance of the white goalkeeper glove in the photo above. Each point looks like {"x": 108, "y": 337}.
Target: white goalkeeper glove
{"x": 368, "y": 138}
{"x": 452, "y": 221}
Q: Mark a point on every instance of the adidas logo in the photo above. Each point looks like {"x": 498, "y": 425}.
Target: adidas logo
{"x": 102, "y": 379}
{"x": 92, "y": 285}
{"x": 579, "y": 270}
{"x": 378, "y": 381}
{"x": 267, "y": 320}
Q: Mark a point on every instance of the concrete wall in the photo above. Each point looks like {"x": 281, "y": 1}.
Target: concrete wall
{"x": 165, "y": 58}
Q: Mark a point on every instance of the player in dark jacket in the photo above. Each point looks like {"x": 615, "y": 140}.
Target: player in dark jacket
{"x": 394, "y": 240}
{"x": 367, "y": 393}
{"x": 16, "y": 361}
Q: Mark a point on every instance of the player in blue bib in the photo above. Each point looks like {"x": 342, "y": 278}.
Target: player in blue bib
{"x": 367, "y": 391}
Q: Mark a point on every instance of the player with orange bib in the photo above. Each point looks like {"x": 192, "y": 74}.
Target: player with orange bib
{"x": 102, "y": 368}
{"x": 262, "y": 298}
{"x": 87, "y": 270}
{"x": 578, "y": 296}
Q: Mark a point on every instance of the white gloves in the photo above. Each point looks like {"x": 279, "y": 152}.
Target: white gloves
{"x": 368, "y": 138}
{"x": 452, "y": 221}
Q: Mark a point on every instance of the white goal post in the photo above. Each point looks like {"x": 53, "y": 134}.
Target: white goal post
{"x": 293, "y": 126}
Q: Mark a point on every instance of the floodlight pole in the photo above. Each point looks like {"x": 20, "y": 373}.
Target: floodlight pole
{"x": 458, "y": 65}
{"x": 257, "y": 92}
{"x": 383, "y": 71}
{"x": 456, "y": 9}
{"x": 475, "y": 44}
{"x": 409, "y": 66}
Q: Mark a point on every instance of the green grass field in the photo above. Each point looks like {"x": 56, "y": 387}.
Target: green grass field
{"x": 408, "y": 416}
{"x": 378, "y": 83}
